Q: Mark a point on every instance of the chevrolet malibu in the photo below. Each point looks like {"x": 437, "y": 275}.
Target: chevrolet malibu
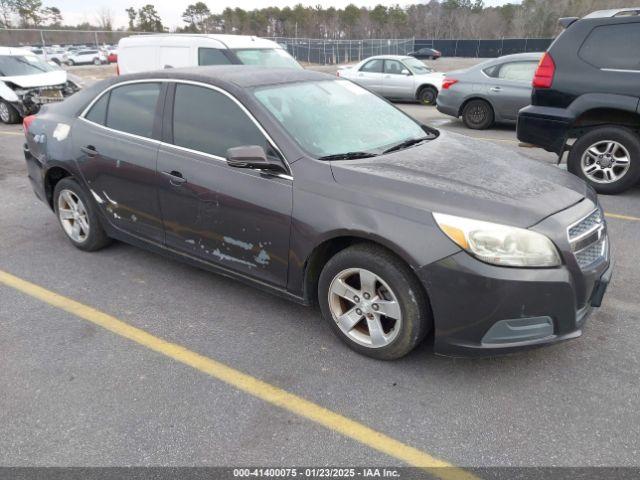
{"x": 315, "y": 189}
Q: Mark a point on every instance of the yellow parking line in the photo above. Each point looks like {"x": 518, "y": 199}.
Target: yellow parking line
{"x": 251, "y": 385}
{"x": 2, "y": 132}
{"x": 622, "y": 217}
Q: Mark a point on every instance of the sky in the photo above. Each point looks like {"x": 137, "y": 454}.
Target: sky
{"x": 77, "y": 11}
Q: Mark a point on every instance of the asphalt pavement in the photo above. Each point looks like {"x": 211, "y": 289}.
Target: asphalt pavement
{"x": 77, "y": 392}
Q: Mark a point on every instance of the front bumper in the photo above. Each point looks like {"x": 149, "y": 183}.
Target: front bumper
{"x": 483, "y": 310}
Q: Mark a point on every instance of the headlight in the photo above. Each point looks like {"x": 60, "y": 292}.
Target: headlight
{"x": 499, "y": 244}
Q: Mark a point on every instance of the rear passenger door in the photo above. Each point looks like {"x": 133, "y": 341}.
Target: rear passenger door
{"x": 116, "y": 147}
{"x": 370, "y": 75}
{"x": 236, "y": 218}
{"x": 510, "y": 87}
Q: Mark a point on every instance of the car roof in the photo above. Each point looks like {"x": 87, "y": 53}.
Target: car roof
{"x": 15, "y": 51}
{"x": 614, "y": 12}
{"x": 225, "y": 76}
{"x": 229, "y": 41}
{"x": 519, "y": 56}
{"x": 388, "y": 57}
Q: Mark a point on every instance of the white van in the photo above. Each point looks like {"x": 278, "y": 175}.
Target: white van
{"x": 141, "y": 53}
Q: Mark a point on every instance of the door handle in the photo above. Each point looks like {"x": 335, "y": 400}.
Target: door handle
{"x": 89, "y": 150}
{"x": 175, "y": 178}
{"x": 495, "y": 89}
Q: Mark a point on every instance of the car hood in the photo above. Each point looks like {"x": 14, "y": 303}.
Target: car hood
{"x": 458, "y": 175}
{"x": 44, "y": 79}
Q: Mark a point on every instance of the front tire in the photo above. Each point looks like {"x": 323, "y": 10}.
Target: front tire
{"x": 373, "y": 302}
{"x": 608, "y": 158}
{"x": 478, "y": 115}
{"x": 428, "y": 96}
{"x": 8, "y": 114}
{"x": 78, "y": 216}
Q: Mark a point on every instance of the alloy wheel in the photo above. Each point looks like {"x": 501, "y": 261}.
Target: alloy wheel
{"x": 73, "y": 216}
{"x": 606, "y": 161}
{"x": 365, "y": 308}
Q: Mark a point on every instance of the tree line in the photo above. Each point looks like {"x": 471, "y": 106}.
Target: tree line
{"x": 437, "y": 19}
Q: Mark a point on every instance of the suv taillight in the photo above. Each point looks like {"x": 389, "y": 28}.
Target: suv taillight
{"x": 26, "y": 122}
{"x": 543, "y": 77}
{"x": 447, "y": 83}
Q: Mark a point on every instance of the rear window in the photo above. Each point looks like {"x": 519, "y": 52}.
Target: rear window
{"x": 613, "y": 46}
{"x": 132, "y": 108}
{"x": 212, "y": 56}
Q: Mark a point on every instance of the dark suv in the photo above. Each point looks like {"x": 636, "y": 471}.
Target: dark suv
{"x": 587, "y": 88}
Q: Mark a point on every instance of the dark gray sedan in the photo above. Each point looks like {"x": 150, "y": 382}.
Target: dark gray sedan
{"x": 316, "y": 189}
{"x": 493, "y": 91}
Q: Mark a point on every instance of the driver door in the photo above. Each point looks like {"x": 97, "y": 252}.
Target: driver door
{"x": 397, "y": 84}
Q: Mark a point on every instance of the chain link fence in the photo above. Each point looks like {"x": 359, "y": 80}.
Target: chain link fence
{"x": 330, "y": 52}
{"x": 306, "y": 50}
{"x": 485, "y": 48}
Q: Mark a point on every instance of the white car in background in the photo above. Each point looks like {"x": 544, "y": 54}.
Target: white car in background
{"x": 397, "y": 77}
{"x": 83, "y": 57}
{"x": 27, "y": 82}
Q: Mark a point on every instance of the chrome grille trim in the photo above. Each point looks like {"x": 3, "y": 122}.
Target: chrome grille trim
{"x": 588, "y": 239}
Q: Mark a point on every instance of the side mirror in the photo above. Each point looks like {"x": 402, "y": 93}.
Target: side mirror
{"x": 405, "y": 72}
{"x": 253, "y": 156}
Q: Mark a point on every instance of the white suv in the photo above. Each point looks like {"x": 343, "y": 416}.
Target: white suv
{"x": 141, "y": 53}
{"x": 80, "y": 57}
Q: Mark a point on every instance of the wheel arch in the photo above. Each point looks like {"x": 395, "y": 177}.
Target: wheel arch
{"x": 336, "y": 242}
{"x": 51, "y": 178}
{"x": 423, "y": 86}
{"x": 604, "y": 116}
{"x": 476, "y": 97}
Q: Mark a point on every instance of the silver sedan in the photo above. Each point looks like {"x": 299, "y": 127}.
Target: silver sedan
{"x": 493, "y": 91}
{"x": 397, "y": 77}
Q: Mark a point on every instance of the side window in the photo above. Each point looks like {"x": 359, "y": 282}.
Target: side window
{"x": 210, "y": 122}
{"x": 613, "y": 46}
{"x": 132, "y": 108}
{"x": 517, "y": 71}
{"x": 393, "y": 67}
{"x": 212, "y": 56}
{"x": 98, "y": 113}
{"x": 374, "y": 66}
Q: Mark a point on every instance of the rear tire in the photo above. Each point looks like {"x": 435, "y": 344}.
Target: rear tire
{"x": 8, "y": 113}
{"x": 376, "y": 281}
{"x": 608, "y": 158}
{"x": 78, "y": 216}
{"x": 478, "y": 115}
{"x": 71, "y": 63}
{"x": 428, "y": 95}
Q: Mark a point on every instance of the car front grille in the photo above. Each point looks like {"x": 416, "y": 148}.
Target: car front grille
{"x": 588, "y": 239}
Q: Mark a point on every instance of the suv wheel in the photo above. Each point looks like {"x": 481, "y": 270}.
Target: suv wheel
{"x": 8, "y": 114}
{"x": 373, "y": 302}
{"x": 608, "y": 158}
{"x": 78, "y": 216}
{"x": 478, "y": 115}
{"x": 428, "y": 95}
{"x": 96, "y": 61}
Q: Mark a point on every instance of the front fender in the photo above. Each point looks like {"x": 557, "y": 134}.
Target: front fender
{"x": 6, "y": 93}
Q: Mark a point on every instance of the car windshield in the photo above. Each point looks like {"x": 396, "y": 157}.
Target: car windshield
{"x": 267, "y": 57}
{"x": 337, "y": 117}
{"x": 416, "y": 66}
{"x": 15, "y": 65}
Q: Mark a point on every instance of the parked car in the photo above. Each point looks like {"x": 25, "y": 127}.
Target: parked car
{"x": 314, "y": 188}
{"x": 139, "y": 53}
{"x": 585, "y": 99}
{"x": 493, "y": 91}
{"x": 83, "y": 57}
{"x": 426, "y": 54}
{"x": 397, "y": 77}
{"x": 112, "y": 55}
{"x": 28, "y": 82}
{"x": 56, "y": 55}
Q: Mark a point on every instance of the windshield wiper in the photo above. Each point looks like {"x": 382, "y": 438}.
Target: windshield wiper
{"x": 348, "y": 156}
{"x": 405, "y": 144}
